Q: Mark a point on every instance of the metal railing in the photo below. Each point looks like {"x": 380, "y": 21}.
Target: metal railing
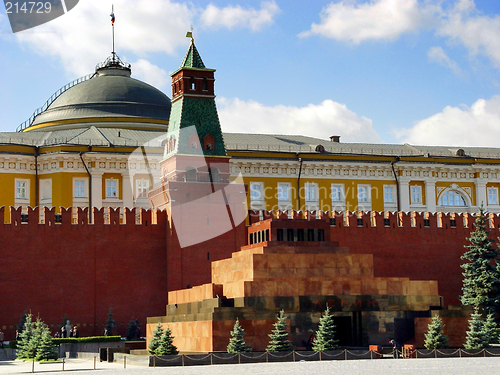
{"x": 54, "y": 96}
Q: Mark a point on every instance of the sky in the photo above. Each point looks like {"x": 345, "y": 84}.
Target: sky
{"x": 377, "y": 71}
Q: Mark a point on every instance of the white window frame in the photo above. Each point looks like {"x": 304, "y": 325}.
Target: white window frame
{"x": 391, "y": 204}
{"x": 141, "y": 185}
{"x": 416, "y": 195}
{"x": 311, "y": 196}
{"x": 338, "y": 191}
{"x": 286, "y": 188}
{"x": 256, "y": 194}
{"x": 492, "y": 192}
{"x": 22, "y": 190}
{"x": 108, "y": 186}
{"x": 454, "y": 194}
{"x": 284, "y": 200}
{"x": 389, "y": 192}
{"x": 364, "y": 191}
{"x": 311, "y": 192}
{"x": 77, "y": 187}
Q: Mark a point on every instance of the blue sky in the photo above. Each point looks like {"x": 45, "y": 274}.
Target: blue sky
{"x": 381, "y": 71}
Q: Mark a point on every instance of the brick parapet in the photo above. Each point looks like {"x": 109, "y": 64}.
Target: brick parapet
{"x": 101, "y": 216}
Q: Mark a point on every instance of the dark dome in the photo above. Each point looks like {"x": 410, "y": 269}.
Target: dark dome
{"x": 110, "y": 94}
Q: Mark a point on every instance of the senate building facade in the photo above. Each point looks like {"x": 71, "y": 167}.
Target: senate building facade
{"x": 98, "y": 142}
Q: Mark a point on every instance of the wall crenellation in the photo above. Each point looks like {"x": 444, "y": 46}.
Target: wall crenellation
{"x": 73, "y": 216}
{"x": 389, "y": 219}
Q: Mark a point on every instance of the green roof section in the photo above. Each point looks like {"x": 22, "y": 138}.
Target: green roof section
{"x": 192, "y": 58}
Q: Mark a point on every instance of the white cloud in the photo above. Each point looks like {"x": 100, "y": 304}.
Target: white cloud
{"x": 150, "y": 73}
{"x": 237, "y": 16}
{"x": 354, "y": 21}
{"x": 436, "y": 54}
{"x": 82, "y": 37}
{"x": 478, "y": 125}
{"x": 480, "y": 34}
{"x": 375, "y": 20}
{"x": 321, "y": 121}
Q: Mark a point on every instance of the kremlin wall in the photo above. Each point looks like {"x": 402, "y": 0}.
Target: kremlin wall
{"x": 126, "y": 265}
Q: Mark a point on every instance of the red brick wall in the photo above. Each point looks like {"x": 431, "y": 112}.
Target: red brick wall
{"x": 82, "y": 271}
{"x": 417, "y": 252}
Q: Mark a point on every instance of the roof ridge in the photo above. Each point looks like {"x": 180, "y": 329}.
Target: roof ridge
{"x": 99, "y": 134}
{"x": 192, "y": 59}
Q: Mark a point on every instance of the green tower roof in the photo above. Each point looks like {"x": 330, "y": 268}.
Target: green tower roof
{"x": 192, "y": 58}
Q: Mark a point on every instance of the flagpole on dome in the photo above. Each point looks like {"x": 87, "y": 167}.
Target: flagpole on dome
{"x": 113, "y": 29}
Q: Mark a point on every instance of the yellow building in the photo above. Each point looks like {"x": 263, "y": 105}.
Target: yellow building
{"x": 99, "y": 141}
{"x": 298, "y": 172}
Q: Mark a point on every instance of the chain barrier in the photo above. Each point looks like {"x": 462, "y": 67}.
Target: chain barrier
{"x": 65, "y": 365}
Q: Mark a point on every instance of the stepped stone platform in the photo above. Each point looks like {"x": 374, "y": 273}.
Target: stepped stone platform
{"x": 301, "y": 277}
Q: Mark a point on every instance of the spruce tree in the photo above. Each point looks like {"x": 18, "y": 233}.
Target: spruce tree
{"x": 166, "y": 346}
{"x": 475, "y": 336}
{"x": 46, "y": 349}
{"x": 27, "y": 342}
{"x": 325, "y": 335}
{"x": 435, "y": 338}
{"x": 481, "y": 283}
{"x": 279, "y": 336}
{"x": 237, "y": 342}
{"x": 490, "y": 330}
{"x": 155, "y": 340}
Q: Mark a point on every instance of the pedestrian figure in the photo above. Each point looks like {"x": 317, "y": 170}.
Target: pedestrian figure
{"x": 74, "y": 332}
{"x": 2, "y": 336}
{"x": 394, "y": 348}
{"x": 64, "y": 334}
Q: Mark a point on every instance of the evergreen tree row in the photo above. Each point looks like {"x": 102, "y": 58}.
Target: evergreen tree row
{"x": 35, "y": 341}
{"x": 279, "y": 337}
{"x": 481, "y": 284}
{"x": 162, "y": 342}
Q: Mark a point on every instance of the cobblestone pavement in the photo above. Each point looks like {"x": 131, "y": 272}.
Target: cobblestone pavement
{"x": 440, "y": 366}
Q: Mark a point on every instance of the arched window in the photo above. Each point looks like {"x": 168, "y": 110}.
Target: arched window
{"x": 452, "y": 198}
{"x": 192, "y": 83}
{"x": 205, "y": 84}
{"x": 191, "y": 174}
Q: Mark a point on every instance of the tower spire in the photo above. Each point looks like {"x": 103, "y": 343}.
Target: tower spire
{"x": 113, "y": 28}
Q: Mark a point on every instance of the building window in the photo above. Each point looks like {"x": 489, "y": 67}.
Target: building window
{"x": 337, "y": 193}
{"x": 283, "y": 192}
{"x": 111, "y": 188}
{"x": 142, "y": 187}
{"x": 80, "y": 189}
{"x": 389, "y": 193}
{"x": 492, "y": 196}
{"x": 205, "y": 84}
{"x": 256, "y": 191}
{"x": 192, "y": 83}
{"x": 452, "y": 198}
{"x": 22, "y": 189}
{"x": 363, "y": 193}
{"x": 311, "y": 192}
{"x": 416, "y": 195}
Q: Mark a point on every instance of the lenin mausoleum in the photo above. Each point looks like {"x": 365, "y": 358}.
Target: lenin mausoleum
{"x": 117, "y": 198}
